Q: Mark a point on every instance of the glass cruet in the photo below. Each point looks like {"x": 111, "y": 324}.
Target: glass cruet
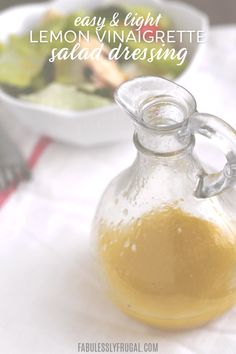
{"x": 165, "y": 230}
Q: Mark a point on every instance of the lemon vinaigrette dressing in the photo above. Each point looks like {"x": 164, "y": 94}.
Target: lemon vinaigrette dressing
{"x": 164, "y": 268}
{"x": 165, "y": 230}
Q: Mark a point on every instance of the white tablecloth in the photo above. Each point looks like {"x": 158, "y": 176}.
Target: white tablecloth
{"x": 49, "y": 297}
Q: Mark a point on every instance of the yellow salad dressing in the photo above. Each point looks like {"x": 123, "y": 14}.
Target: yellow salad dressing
{"x": 169, "y": 268}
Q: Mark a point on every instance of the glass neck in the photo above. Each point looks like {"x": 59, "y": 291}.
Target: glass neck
{"x": 163, "y": 144}
{"x": 162, "y": 127}
{"x": 148, "y": 162}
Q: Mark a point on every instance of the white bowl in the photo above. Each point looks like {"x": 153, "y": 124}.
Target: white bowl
{"x": 93, "y": 126}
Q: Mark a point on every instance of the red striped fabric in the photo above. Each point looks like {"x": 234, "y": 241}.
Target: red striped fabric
{"x": 32, "y": 161}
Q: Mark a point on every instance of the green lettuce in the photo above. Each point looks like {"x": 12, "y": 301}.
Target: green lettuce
{"x": 21, "y": 61}
{"x": 66, "y": 97}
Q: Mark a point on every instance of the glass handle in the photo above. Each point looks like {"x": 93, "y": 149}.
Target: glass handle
{"x": 224, "y": 136}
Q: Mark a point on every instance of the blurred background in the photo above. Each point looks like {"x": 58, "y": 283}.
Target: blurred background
{"x": 219, "y": 11}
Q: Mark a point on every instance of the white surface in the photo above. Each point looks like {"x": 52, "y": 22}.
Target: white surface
{"x": 87, "y": 127}
{"x": 49, "y": 298}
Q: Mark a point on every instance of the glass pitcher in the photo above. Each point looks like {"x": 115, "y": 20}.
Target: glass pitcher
{"x": 165, "y": 230}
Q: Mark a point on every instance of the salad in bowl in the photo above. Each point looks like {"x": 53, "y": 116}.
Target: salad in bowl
{"x": 69, "y": 99}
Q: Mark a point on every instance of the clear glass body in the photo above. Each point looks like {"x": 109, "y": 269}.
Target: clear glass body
{"x": 164, "y": 231}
